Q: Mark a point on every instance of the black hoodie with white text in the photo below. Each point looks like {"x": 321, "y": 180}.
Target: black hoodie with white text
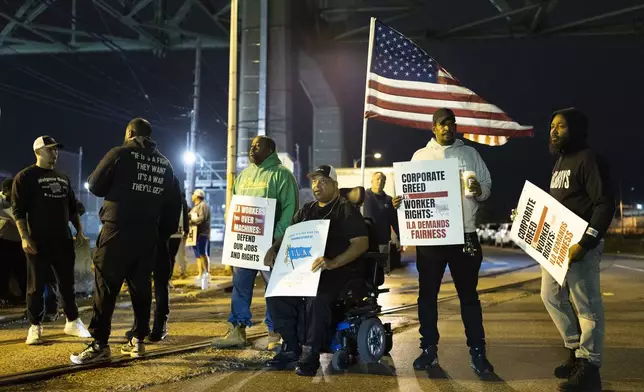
{"x": 580, "y": 180}
{"x": 137, "y": 182}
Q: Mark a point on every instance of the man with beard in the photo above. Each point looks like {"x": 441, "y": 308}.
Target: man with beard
{"x": 136, "y": 182}
{"x": 580, "y": 181}
{"x": 266, "y": 178}
{"x": 464, "y": 262}
{"x": 44, "y": 203}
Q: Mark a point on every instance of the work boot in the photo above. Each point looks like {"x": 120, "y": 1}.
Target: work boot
{"x": 286, "y": 359}
{"x": 135, "y": 348}
{"x": 584, "y": 378}
{"x": 234, "y": 338}
{"x": 479, "y": 362}
{"x": 274, "y": 341}
{"x": 568, "y": 367}
{"x": 158, "y": 332}
{"x": 94, "y": 352}
{"x": 428, "y": 358}
{"x": 309, "y": 362}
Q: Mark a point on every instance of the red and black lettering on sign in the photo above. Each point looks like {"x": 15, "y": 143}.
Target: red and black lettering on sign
{"x": 249, "y": 220}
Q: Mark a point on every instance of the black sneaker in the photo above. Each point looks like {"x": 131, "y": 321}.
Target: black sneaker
{"x": 286, "y": 359}
{"x": 309, "y": 364}
{"x": 94, "y": 352}
{"x": 428, "y": 358}
{"x": 567, "y": 368}
{"x": 585, "y": 378}
{"x": 479, "y": 362}
{"x": 158, "y": 334}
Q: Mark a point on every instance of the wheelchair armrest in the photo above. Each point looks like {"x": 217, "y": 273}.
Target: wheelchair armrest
{"x": 381, "y": 259}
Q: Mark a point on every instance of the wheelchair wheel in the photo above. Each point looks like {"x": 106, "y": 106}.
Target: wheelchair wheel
{"x": 372, "y": 342}
{"x": 340, "y": 360}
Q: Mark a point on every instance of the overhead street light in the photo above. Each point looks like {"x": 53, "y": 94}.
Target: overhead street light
{"x": 189, "y": 158}
{"x": 375, "y": 155}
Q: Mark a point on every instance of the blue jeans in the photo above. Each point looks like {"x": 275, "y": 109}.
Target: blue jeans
{"x": 582, "y": 330}
{"x": 243, "y": 283}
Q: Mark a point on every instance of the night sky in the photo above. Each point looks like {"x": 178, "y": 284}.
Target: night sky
{"x": 526, "y": 78}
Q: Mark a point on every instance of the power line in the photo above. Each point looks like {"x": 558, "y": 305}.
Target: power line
{"x": 124, "y": 57}
{"x": 52, "y": 102}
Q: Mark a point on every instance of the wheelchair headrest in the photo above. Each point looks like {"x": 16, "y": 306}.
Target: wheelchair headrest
{"x": 355, "y": 195}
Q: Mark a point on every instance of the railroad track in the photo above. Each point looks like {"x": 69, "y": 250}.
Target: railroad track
{"x": 119, "y": 360}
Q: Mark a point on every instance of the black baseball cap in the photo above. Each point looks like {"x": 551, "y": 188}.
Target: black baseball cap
{"x": 443, "y": 114}
{"x": 325, "y": 171}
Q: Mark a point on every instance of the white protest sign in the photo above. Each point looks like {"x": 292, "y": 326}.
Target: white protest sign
{"x": 192, "y": 236}
{"x": 249, "y": 232}
{"x": 292, "y": 276}
{"x": 431, "y": 212}
{"x": 546, "y": 230}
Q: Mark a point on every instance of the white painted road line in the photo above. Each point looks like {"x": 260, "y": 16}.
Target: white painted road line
{"x": 629, "y": 268}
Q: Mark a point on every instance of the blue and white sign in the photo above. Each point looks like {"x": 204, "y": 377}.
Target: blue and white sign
{"x": 303, "y": 244}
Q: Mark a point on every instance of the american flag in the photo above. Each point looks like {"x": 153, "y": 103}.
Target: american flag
{"x": 406, "y": 86}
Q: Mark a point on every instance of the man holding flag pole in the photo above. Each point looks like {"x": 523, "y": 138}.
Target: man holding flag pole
{"x": 405, "y": 86}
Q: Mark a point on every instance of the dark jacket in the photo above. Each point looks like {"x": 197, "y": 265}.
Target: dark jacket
{"x": 169, "y": 221}
{"x": 136, "y": 181}
{"x": 580, "y": 180}
{"x": 379, "y": 207}
{"x": 186, "y": 218}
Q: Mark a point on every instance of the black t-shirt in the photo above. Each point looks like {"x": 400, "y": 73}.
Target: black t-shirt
{"x": 380, "y": 208}
{"x": 46, "y": 200}
{"x": 346, "y": 223}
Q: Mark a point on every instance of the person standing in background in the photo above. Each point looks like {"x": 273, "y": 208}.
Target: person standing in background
{"x": 200, "y": 219}
{"x": 379, "y": 207}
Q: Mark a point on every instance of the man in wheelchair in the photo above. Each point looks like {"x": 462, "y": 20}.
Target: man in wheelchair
{"x": 305, "y": 323}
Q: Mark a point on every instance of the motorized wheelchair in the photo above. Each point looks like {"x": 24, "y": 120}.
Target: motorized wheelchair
{"x": 359, "y": 334}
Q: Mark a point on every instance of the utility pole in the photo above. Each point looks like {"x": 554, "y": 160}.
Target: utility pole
{"x": 194, "y": 121}
{"x": 621, "y": 206}
{"x": 263, "y": 68}
{"x": 231, "y": 156}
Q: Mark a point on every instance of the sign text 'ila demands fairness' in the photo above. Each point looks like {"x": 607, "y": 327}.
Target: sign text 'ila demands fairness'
{"x": 546, "y": 230}
{"x": 431, "y": 211}
{"x": 249, "y": 232}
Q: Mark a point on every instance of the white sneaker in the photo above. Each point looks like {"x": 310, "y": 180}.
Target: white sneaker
{"x": 34, "y": 336}
{"x": 77, "y": 328}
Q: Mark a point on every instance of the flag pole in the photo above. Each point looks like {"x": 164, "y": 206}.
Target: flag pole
{"x": 366, "y": 94}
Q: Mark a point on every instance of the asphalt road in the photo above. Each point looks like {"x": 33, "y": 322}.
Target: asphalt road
{"x": 522, "y": 343}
